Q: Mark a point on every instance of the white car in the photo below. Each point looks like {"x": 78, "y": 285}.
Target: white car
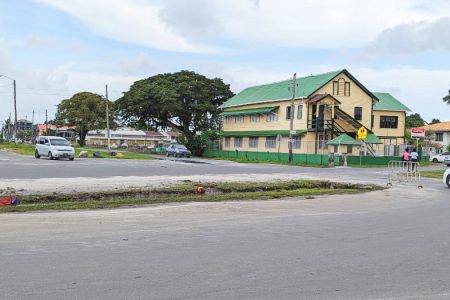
{"x": 440, "y": 157}
{"x": 54, "y": 148}
{"x": 446, "y": 177}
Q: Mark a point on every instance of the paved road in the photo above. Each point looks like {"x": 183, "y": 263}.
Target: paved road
{"x": 29, "y": 175}
{"x": 389, "y": 244}
{"x": 26, "y": 167}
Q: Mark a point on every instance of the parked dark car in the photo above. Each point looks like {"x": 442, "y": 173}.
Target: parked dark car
{"x": 178, "y": 150}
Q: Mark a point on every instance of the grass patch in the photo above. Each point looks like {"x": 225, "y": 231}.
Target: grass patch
{"x": 28, "y": 149}
{"x": 25, "y": 149}
{"x": 438, "y": 174}
{"x": 273, "y": 162}
{"x": 186, "y": 193}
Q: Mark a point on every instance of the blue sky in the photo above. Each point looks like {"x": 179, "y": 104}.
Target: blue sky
{"x": 55, "y": 48}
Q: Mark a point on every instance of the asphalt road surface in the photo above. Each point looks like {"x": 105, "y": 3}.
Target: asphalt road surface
{"x": 14, "y": 166}
{"x": 390, "y": 244}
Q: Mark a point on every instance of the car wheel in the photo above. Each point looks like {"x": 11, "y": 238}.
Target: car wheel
{"x": 167, "y": 154}
{"x": 50, "y": 156}
{"x": 71, "y": 158}
{"x": 448, "y": 181}
{"x": 36, "y": 154}
{"x": 435, "y": 160}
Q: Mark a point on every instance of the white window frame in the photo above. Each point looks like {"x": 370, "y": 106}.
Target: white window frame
{"x": 271, "y": 142}
{"x": 253, "y": 142}
{"x": 272, "y": 116}
{"x": 239, "y": 119}
{"x": 238, "y": 141}
{"x": 255, "y": 118}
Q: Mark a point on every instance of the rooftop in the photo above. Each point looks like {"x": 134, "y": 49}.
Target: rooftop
{"x": 388, "y": 102}
{"x": 443, "y": 126}
{"x": 281, "y": 90}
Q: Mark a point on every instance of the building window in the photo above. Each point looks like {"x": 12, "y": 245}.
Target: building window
{"x": 253, "y": 142}
{"x": 254, "y": 118}
{"x": 439, "y": 137}
{"x": 288, "y": 113}
{"x": 349, "y": 149}
{"x": 347, "y": 89}
{"x": 271, "y": 142}
{"x": 239, "y": 119}
{"x": 228, "y": 119}
{"x": 227, "y": 141}
{"x": 238, "y": 142}
{"x": 358, "y": 113}
{"x": 388, "y": 122}
{"x": 300, "y": 111}
{"x": 296, "y": 142}
{"x": 341, "y": 87}
{"x": 322, "y": 142}
{"x": 272, "y": 117}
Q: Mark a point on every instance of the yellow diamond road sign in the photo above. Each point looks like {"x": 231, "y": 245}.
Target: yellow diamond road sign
{"x": 362, "y": 133}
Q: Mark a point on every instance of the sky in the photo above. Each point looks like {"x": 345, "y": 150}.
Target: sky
{"x": 56, "y": 48}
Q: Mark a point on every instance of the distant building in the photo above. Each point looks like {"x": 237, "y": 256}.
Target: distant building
{"x": 441, "y": 133}
{"x": 24, "y": 124}
{"x": 129, "y": 137}
{"x": 67, "y": 132}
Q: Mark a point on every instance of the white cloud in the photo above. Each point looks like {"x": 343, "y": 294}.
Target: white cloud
{"x": 414, "y": 38}
{"x": 135, "y": 22}
{"x": 141, "y": 64}
{"x": 41, "y": 40}
{"x": 421, "y": 90}
{"x": 197, "y": 25}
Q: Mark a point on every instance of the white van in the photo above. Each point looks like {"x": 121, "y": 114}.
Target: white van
{"x": 54, "y": 148}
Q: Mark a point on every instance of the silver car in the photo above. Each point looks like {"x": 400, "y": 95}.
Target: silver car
{"x": 54, "y": 147}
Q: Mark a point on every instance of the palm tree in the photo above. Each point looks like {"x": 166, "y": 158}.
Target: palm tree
{"x": 447, "y": 98}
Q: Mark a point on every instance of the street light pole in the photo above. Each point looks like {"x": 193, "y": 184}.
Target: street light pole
{"x": 15, "y": 107}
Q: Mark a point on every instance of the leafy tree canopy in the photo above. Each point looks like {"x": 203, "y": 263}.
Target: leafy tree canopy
{"x": 185, "y": 101}
{"x": 414, "y": 120}
{"x": 87, "y": 111}
{"x": 447, "y": 98}
{"x": 435, "y": 121}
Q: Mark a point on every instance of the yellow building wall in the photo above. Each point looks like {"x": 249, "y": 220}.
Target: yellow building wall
{"x": 263, "y": 124}
{"x": 395, "y": 134}
{"x": 358, "y": 97}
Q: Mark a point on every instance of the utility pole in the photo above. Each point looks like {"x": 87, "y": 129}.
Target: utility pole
{"x": 15, "y": 111}
{"x": 32, "y": 118}
{"x": 291, "y": 128}
{"x": 46, "y": 124}
{"x": 107, "y": 120}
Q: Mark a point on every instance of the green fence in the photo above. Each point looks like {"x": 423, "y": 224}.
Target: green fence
{"x": 304, "y": 159}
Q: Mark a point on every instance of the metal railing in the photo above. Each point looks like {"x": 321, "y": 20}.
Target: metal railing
{"x": 404, "y": 172}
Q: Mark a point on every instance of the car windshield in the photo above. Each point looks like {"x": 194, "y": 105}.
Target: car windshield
{"x": 181, "y": 147}
{"x": 59, "y": 142}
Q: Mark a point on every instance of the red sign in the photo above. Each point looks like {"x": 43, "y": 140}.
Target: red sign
{"x": 417, "y": 132}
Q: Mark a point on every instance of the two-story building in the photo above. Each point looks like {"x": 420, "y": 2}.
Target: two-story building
{"x": 329, "y": 108}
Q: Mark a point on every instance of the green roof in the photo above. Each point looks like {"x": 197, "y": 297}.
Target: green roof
{"x": 388, "y": 102}
{"x": 372, "y": 139}
{"x": 281, "y": 90}
{"x": 259, "y": 110}
{"x": 261, "y": 133}
{"x": 343, "y": 139}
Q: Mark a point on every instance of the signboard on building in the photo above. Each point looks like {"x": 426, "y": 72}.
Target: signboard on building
{"x": 417, "y": 132}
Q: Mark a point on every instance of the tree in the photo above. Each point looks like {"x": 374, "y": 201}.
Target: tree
{"x": 414, "y": 120}
{"x": 184, "y": 101}
{"x": 435, "y": 121}
{"x": 87, "y": 111}
{"x": 447, "y": 98}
